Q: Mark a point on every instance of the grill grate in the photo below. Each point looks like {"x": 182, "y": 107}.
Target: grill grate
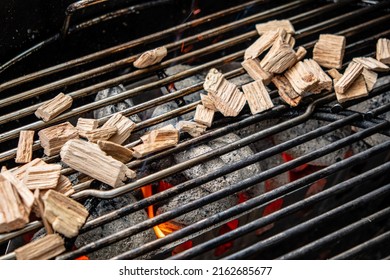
{"x": 363, "y": 193}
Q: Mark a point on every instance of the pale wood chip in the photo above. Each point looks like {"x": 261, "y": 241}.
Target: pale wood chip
{"x": 25, "y": 146}
{"x": 257, "y": 96}
{"x": 329, "y": 51}
{"x": 54, "y": 107}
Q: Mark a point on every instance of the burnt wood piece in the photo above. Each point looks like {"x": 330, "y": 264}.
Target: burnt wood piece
{"x": 44, "y": 248}
{"x": 42, "y": 177}
{"x": 257, "y": 96}
{"x": 192, "y": 128}
{"x": 24, "y": 151}
{"x": 255, "y": 71}
{"x": 275, "y": 25}
{"x": 64, "y": 214}
{"x": 372, "y": 64}
{"x": 204, "y": 115}
{"x": 329, "y": 51}
{"x": 286, "y": 91}
{"x": 115, "y": 150}
{"x": 227, "y": 98}
{"x": 123, "y": 125}
{"x": 54, "y": 107}
{"x": 13, "y": 214}
{"x": 353, "y": 71}
{"x": 88, "y": 158}
{"x": 54, "y": 137}
{"x": 279, "y": 58}
{"x": 151, "y": 57}
{"x": 383, "y": 50}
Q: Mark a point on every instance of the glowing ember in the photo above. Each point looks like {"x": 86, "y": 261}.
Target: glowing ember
{"x": 196, "y": 11}
{"x": 229, "y": 226}
{"x": 165, "y": 228}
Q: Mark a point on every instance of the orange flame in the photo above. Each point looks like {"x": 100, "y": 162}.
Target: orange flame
{"x": 163, "y": 229}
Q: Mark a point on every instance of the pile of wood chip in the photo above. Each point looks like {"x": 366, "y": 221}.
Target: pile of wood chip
{"x": 272, "y": 59}
{"x": 99, "y": 151}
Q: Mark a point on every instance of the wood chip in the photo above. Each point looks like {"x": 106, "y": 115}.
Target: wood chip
{"x": 192, "y": 128}
{"x": 27, "y": 197}
{"x": 24, "y": 151}
{"x": 289, "y": 39}
{"x": 21, "y": 171}
{"x": 357, "y": 90}
{"x": 44, "y": 248}
{"x": 254, "y": 70}
{"x": 257, "y": 96}
{"x": 64, "y": 214}
{"x": 87, "y": 124}
{"x": 329, "y": 51}
{"x": 13, "y": 214}
{"x": 204, "y": 115}
{"x": 54, "y": 137}
{"x": 102, "y": 133}
{"x": 116, "y": 151}
{"x": 279, "y": 58}
{"x": 262, "y": 44}
{"x": 301, "y": 78}
{"x": 275, "y": 25}
{"x": 52, "y": 108}
{"x": 383, "y": 50}
{"x": 370, "y": 77}
{"x": 207, "y": 102}
{"x": 42, "y": 177}
{"x": 353, "y": 71}
{"x": 151, "y": 57}
{"x": 123, "y": 125}
{"x": 170, "y": 135}
{"x": 324, "y": 81}
{"x": 286, "y": 91}
{"x": 372, "y": 64}
{"x": 64, "y": 186}
{"x": 158, "y": 140}
{"x": 86, "y": 157}
{"x": 41, "y": 212}
{"x": 336, "y": 75}
{"x": 300, "y": 53}
{"x": 227, "y": 98}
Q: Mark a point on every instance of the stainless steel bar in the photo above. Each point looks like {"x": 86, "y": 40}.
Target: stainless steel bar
{"x": 114, "y": 65}
{"x": 336, "y": 235}
{"x": 125, "y": 46}
{"x": 185, "y": 209}
{"x": 207, "y": 156}
{"x": 349, "y": 254}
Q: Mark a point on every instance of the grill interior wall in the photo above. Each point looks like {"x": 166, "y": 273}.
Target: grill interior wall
{"x": 361, "y": 39}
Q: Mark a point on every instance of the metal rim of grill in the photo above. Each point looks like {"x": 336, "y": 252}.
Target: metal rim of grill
{"x": 321, "y": 108}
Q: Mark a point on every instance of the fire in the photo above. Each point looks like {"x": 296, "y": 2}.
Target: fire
{"x": 166, "y": 228}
